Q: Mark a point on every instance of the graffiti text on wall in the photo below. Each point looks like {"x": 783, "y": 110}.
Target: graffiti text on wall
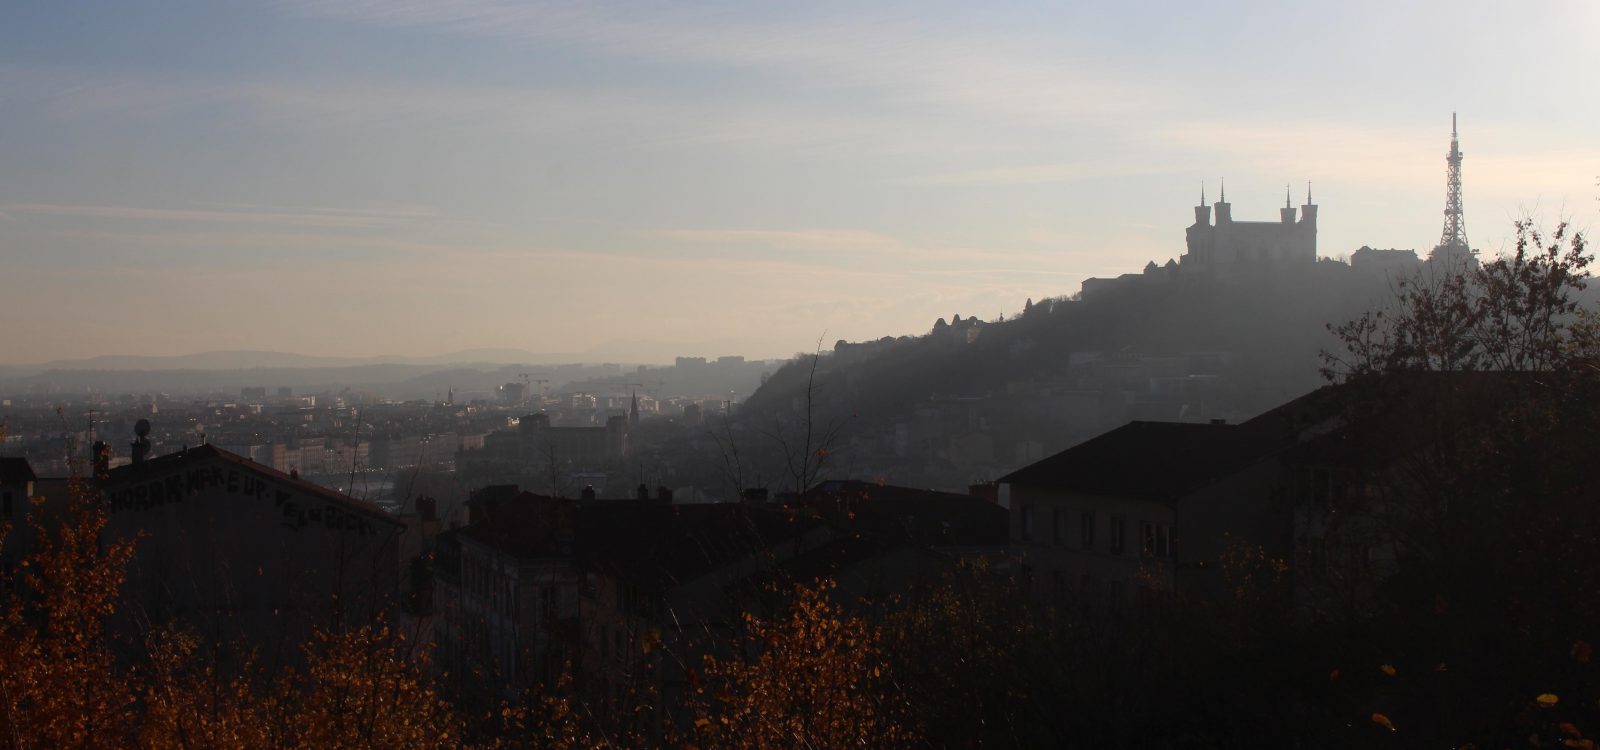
{"x": 297, "y": 512}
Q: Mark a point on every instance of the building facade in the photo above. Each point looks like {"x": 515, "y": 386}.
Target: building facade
{"x": 240, "y": 550}
{"x": 1228, "y": 247}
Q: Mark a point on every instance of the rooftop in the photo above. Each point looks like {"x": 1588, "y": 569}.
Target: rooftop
{"x": 15, "y": 471}
{"x": 180, "y": 459}
{"x": 1159, "y": 461}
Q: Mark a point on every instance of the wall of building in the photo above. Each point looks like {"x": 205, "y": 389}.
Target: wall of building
{"x": 247, "y": 553}
{"x": 1227, "y": 246}
{"x": 1048, "y": 529}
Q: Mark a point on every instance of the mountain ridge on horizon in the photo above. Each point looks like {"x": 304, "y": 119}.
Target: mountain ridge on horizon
{"x": 622, "y": 352}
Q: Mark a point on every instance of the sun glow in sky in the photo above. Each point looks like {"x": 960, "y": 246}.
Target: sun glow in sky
{"x": 362, "y": 177}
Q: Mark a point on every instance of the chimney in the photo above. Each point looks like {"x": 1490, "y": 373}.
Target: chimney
{"x": 102, "y": 459}
{"x": 427, "y": 509}
{"x": 141, "y": 442}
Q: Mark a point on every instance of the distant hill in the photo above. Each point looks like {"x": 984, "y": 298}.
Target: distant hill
{"x": 250, "y": 359}
{"x": 622, "y": 352}
{"x": 1272, "y": 329}
{"x": 378, "y": 377}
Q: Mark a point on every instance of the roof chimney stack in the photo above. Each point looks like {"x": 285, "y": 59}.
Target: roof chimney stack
{"x": 102, "y": 459}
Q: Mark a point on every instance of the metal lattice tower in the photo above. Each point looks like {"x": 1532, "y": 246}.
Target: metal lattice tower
{"x": 1455, "y": 227}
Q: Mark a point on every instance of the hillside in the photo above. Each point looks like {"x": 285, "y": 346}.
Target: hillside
{"x": 970, "y": 400}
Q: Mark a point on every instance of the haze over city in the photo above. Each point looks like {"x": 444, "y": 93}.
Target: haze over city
{"x": 361, "y": 178}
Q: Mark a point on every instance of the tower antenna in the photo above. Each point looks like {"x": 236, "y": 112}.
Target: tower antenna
{"x": 1455, "y": 227}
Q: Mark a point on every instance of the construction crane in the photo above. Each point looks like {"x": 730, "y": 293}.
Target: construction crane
{"x": 526, "y": 385}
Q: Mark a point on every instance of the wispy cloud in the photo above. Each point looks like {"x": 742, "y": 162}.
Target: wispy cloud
{"x": 836, "y": 238}
{"x": 344, "y": 218}
{"x": 321, "y": 246}
{"x": 1033, "y": 174}
{"x": 827, "y": 245}
{"x": 903, "y": 58}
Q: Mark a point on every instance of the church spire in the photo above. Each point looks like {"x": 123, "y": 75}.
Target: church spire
{"x": 1224, "y": 197}
{"x": 1286, "y": 202}
{"x": 1308, "y": 192}
{"x": 1202, "y": 192}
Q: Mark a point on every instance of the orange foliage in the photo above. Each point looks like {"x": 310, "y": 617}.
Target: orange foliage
{"x": 63, "y": 685}
{"x": 57, "y": 683}
{"x": 816, "y": 679}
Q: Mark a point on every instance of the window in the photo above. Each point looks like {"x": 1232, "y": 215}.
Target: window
{"x": 1319, "y": 554}
{"x": 1027, "y": 522}
{"x": 1086, "y": 528}
{"x": 1118, "y": 535}
{"x": 1155, "y": 540}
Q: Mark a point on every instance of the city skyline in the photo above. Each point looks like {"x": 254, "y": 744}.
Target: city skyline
{"x": 354, "y": 178}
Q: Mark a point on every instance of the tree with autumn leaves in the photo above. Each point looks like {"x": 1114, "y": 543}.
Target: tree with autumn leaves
{"x": 1472, "y": 405}
{"x": 64, "y": 682}
{"x": 58, "y": 685}
{"x": 814, "y": 676}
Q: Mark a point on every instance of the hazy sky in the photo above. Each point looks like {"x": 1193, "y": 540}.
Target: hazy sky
{"x": 363, "y": 177}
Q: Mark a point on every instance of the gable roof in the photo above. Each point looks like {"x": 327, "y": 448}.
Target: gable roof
{"x": 1148, "y": 460}
{"x": 929, "y": 517}
{"x": 16, "y": 471}
{"x": 647, "y": 542}
{"x": 132, "y": 473}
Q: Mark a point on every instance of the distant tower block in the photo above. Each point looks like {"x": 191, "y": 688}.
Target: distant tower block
{"x": 1453, "y": 247}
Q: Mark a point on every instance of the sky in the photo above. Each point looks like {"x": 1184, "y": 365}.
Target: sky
{"x": 356, "y": 177}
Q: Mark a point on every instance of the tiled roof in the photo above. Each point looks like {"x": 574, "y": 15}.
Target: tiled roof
{"x": 908, "y": 514}
{"x": 650, "y": 543}
{"x": 1148, "y": 460}
{"x": 171, "y": 461}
